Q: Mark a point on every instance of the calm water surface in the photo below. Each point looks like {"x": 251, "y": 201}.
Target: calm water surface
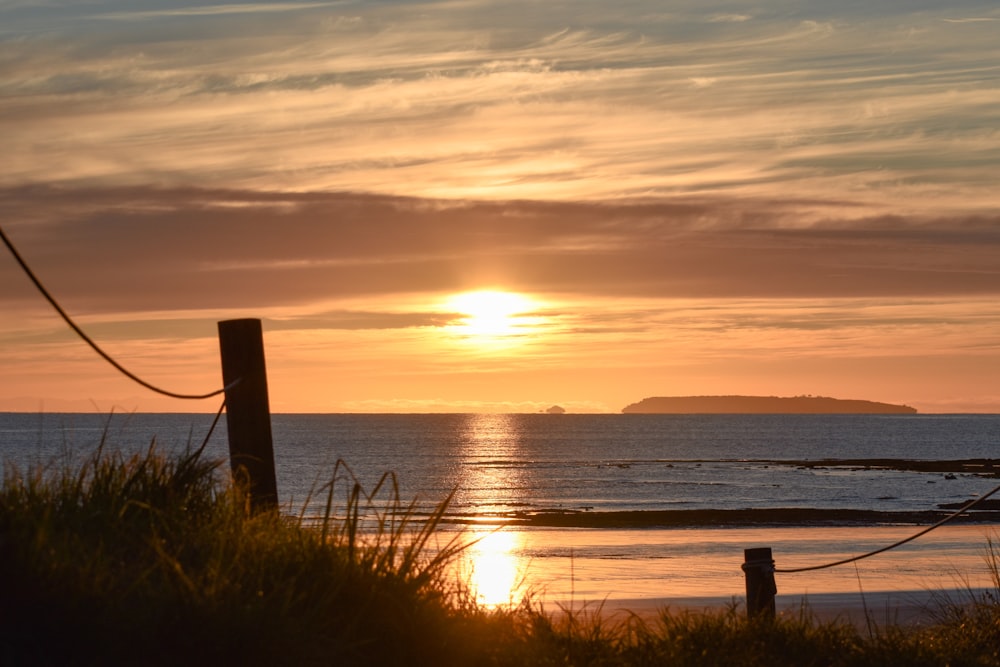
{"x": 498, "y": 464}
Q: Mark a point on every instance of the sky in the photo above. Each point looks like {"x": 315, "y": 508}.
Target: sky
{"x": 643, "y": 198}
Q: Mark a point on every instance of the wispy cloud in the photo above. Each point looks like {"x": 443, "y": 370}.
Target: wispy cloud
{"x": 473, "y": 102}
{"x": 729, "y": 18}
{"x": 219, "y": 10}
{"x": 979, "y": 19}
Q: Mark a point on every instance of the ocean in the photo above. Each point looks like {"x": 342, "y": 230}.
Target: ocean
{"x": 538, "y": 464}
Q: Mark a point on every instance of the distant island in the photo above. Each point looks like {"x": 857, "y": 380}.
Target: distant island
{"x": 762, "y": 405}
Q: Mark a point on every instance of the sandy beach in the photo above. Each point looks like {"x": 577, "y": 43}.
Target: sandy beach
{"x": 640, "y": 571}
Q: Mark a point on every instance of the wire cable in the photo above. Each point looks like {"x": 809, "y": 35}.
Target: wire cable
{"x": 969, "y": 505}
{"x": 79, "y": 332}
{"x": 211, "y": 429}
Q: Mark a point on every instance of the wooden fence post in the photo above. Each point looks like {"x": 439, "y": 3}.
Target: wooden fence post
{"x": 758, "y": 566}
{"x": 248, "y": 415}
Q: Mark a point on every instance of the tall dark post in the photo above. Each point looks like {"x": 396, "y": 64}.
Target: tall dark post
{"x": 758, "y": 565}
{"x": 248, "y": 415}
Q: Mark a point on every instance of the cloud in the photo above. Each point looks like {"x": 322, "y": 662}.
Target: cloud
{"x": 394, "y": 406}
{"x": 217, "y": 10}
{"x": 148, "y": 250}
{"x": 474, "y": 100}
{"x": 980, "y": 19}
{"x": 361, "y": 320}
{"x": 729, "y": 18}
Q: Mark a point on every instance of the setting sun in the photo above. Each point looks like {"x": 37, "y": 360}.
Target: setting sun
{"x": 491, "y": 313}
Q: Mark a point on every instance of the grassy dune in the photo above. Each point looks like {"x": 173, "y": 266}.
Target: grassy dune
{"x": 153, "y": 560}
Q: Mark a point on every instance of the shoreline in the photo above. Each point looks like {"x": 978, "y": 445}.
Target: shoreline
{"x": 711, "y": 518}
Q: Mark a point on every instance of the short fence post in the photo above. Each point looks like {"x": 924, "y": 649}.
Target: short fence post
{"x": 248, "y": 415}
{"x": 761, "y": 589}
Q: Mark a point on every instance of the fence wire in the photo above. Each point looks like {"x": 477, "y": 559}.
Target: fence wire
{"x": 94, "y": 346}
{"x": 969, "y": 505}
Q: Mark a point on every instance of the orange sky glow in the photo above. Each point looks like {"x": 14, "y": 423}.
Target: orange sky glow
{"x": 482, "y": 206}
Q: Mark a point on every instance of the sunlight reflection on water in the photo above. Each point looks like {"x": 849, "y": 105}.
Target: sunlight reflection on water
{"x": 496, "y": 567}
{"x": 494, "y": 563}
{"x": 491, "y": 446}
{"x": 580, "y": 565}
{"x": 502, "y": 566}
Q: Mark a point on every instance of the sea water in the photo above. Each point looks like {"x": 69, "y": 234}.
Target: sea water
{"x": 498, "y": 465}
{"x": 531, "y": 462}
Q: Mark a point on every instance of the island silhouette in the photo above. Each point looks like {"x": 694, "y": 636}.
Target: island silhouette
{"x": 762, "y": 405}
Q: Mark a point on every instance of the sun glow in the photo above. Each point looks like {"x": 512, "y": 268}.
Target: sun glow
{"x": 491, "y": 314}
{"x": 495, "y": 568}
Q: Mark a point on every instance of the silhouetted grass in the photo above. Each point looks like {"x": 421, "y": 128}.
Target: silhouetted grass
{"x": 153, "y": 560}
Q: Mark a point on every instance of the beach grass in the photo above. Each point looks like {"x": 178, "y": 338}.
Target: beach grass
{"x": 150, "y": 559}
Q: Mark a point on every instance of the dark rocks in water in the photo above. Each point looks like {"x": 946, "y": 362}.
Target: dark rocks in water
{"x": 556, "y": 410}
{"x": 762, "y": 405}
{"x": 792, "y": 516}
{"x": 987, "y": 505}
{"x": 977, "y": 467}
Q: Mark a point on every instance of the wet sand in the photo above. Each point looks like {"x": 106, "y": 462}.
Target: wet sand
{"x": 619, "y": 563}
{"x": 640, "y": 570}
{"x": 878, "y": 609}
